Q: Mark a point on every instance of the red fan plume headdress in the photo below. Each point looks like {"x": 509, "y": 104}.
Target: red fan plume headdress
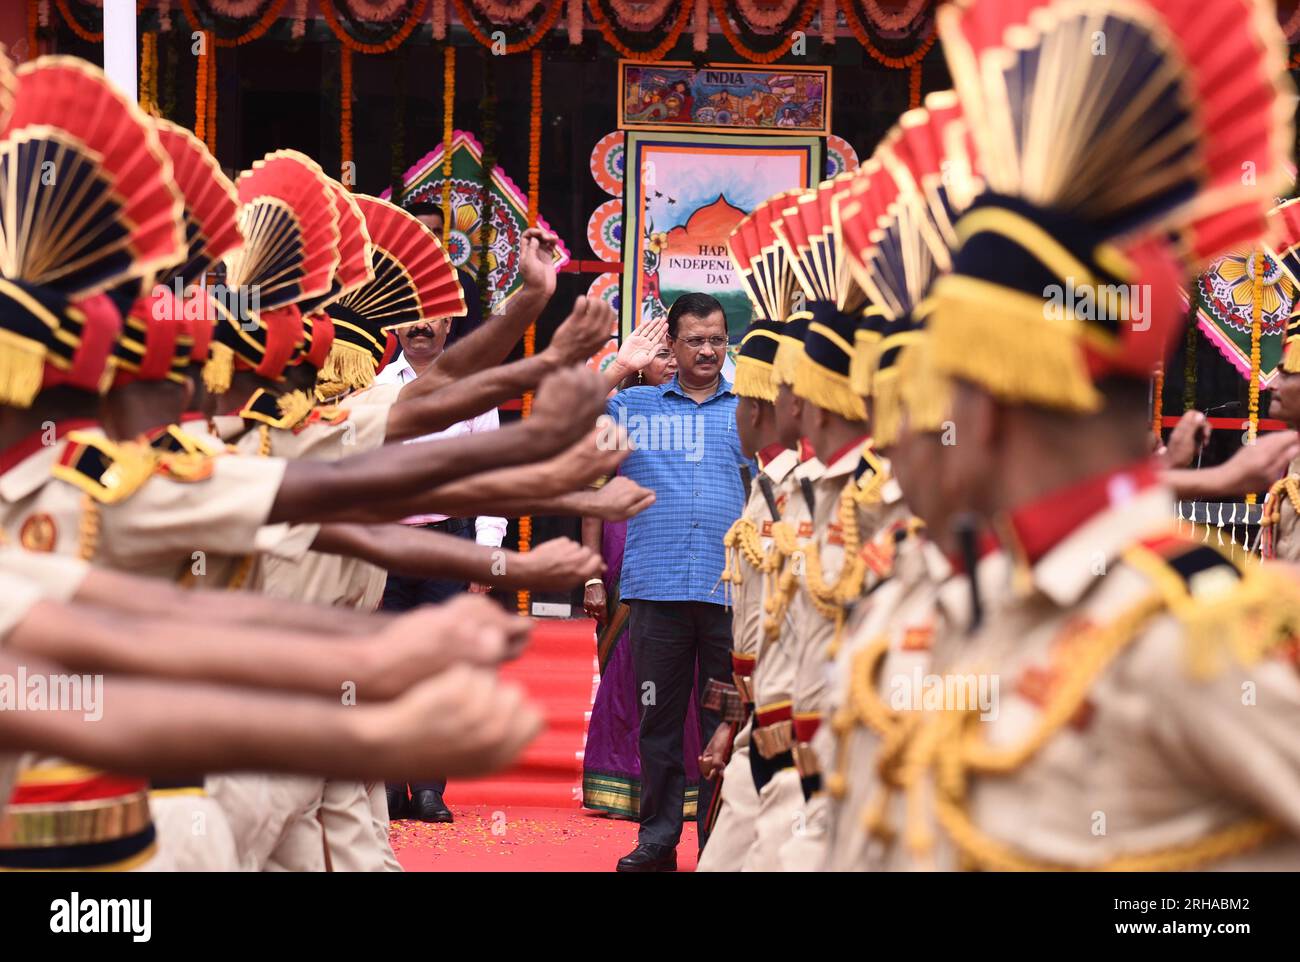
{"x": 1113, "y": 136}
{"x": 86, "y": 206}
{"x": 413, "y": 281}
{"x": 289, "y": 223}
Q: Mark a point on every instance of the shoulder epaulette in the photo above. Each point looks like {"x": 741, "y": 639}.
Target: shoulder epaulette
{"x": 869, "y": 477}
{"x": 176, "y": 440}
{"x": 109, "y": 472}
{"x": 325, "y": 414}
{"x": 284, "y": 411}
{"x": 1230, "y": 612}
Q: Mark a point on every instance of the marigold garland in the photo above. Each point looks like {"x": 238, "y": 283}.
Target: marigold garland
{"x": 211, "y": 123}
{"x": 33, "y": 24}
{"x": 757, "y": 56}
{"x": 413, "y": 18}
{"x": 1158, "y": 403}
{"x": 345, "y": 117}
{"x": 535, "y": 140}
{"x": 530, "y": 335}
{"x": 448, "y": 108}
{"x": 528, "y": 43}
{"x": 759, "y": 21}
{"x": 438, "y": 19}
{"x": 606, "y": 29}
{"x": 575, "y": 23}
{"x": 502, "y": 14}
{"x": 201, "y": 89}
{"x": 914, "y": 87}
{"x": 700, "y": 38}
{"x": 1256, "y": 325}
{"x": 895, "y": 63}
{"x": 149, "y": 72}
{"x": 264, "y": 23}
{"x": 650, "y": 16}
{"x": 892, "y": 21}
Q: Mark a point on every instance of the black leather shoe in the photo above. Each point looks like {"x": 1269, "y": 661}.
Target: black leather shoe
{"x": 649, "y": 858}
{"x": 398, "y": 807}
{"x": 427, "y": 805}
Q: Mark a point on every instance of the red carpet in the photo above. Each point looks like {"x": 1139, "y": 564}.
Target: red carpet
{"x": 513, "y": 838}
{"x": 530, "y": 818}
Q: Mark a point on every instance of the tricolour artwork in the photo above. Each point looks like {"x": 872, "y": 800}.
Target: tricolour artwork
{"x": 683, "y": 195}
{"x": 724, "y": 97}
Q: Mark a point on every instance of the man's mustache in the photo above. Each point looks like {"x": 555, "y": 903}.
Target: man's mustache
{"x": 421, "y": 331}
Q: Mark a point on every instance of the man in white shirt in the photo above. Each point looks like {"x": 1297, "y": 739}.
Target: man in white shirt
{"x": 421, "y": 345}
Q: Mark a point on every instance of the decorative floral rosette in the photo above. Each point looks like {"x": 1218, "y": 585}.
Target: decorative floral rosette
{"x": 605, "y": 230}
{"x": 607, "y": 159}
{"x": 606, "y": 287}
{"x": 840, "y": 156}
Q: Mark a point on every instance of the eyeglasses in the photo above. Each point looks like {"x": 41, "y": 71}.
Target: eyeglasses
{"x": 695, "y": 343}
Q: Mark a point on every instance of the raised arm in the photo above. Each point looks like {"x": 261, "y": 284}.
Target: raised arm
{"x": 583, "y": 332}
{"x": 555, "y": 565}
{"x": 1253, "y": 468}
{"x": 459, "y": 723}
{"x": 637, "y": 351}
{"x": 129, "y": 595}
{"x": 501, "y": 492}
{"x": 372, "y": 485}
{"x": 493, "y": 340}
{"x": 381, "y": 664}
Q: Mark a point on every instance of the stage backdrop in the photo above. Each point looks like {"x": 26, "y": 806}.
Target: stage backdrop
{"x": 682, "y": 196}
{"x": 472, "y": 230}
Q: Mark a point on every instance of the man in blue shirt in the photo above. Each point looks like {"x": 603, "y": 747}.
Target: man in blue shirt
{"x": 685, "y": 449}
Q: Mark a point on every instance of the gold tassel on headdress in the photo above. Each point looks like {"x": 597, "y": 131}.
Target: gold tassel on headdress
{"x": 22, "y": 367}
{"x": 1003, "y": 339}
{"x": 827, "y": 389}
{"x": 219, "y": 369}
{"x": 866, "y": 346}
{"x": 788, "y": 352}
{"x": 754, "y": 379}
{"x": 1291, "y": 346}
{"x": 926, "y": 394}
{"x": 347, "y": 368}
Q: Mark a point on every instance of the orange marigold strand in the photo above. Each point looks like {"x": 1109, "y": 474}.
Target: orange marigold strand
{"x": 528, "y": 43}
{"x": 603, "y": 24}
{"x": 264, "y": 23}
{"x": 755, "y": 56}
{"x": 392, "y": 43}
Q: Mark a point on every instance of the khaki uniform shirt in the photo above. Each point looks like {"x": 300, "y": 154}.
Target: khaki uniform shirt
{"x": 159, "y": 525}
{"x": 1286, "y": 537}
{"x": 314, "y": 576}
{"x": 773, "y": 679}
{"x": 747, "y": 581}
{"x": 817, "y": 630}
{"x": 890, "y": 642}
{"x": 1123, "y": 715}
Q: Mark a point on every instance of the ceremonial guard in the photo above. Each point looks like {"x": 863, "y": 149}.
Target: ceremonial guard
{"x": 747, "y": 544}
{"x": 1279, "y": 537}
{"x": 1119, "y": 653}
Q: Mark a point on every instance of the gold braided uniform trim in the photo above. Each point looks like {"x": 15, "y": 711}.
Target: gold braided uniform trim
{"x": 88, "y": 529}
{"x": 742, "y": 540}
{"x": 783, "y": 579}
{"x": 1290, "y": 486}
{"x": 949, "y": 744}
{"x": 832, "y": 600}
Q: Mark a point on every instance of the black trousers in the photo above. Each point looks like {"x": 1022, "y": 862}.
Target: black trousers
{"x": 403, "y": 594}
{"x": 669, "y": 640}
